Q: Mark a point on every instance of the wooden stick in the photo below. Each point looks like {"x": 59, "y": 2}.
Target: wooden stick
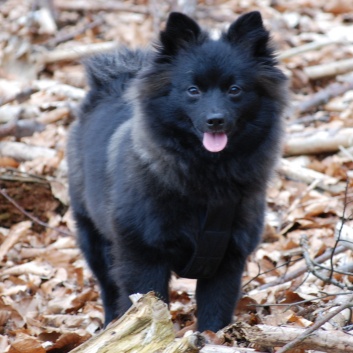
{"x": 323, "y": 96}
{"x": 320, "y": 141}
{"x": 76, "y": 52}
{"x": 330, "y": 69}
{"x": 23, "y": 152}
{"x": 62, "y": 38}
{"x": 308, "y": 47}
{"x": 99, "y": 6}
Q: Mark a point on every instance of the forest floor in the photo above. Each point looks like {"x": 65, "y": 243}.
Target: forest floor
{"x": 303, "y": 270}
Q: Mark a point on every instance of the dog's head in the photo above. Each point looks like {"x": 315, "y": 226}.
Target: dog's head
{"x": 214, "y": 93}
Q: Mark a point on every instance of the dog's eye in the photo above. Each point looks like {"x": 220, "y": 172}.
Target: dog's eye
{"x": 193, "y": 91}
{"x": 234, "y": 90}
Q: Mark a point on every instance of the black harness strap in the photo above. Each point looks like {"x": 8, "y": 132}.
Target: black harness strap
{"x": 212, "y": 242}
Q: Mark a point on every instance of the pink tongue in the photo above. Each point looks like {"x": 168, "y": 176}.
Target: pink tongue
{"x": 215, "y": 141}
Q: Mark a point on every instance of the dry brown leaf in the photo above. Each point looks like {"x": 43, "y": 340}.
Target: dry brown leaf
{"x": 26, "y": 344}
{"x": 67, "y": 342}
{"x": 16, "y": 232}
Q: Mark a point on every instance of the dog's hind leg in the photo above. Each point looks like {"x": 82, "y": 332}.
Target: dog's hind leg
{"x": 97, "y": 252}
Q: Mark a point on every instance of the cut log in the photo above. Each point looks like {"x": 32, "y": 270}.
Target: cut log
{"x": 145, "y": 328}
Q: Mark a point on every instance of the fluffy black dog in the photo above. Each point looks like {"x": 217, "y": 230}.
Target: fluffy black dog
{"x": 169, "y": 161}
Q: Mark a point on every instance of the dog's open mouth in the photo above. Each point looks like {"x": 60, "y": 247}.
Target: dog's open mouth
{"x": 214, "y": 141}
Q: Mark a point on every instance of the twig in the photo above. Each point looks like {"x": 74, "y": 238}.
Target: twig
{"x": 346, "y": 152}
{"x": 14, "y": 174}
{"x": 62, "y": 38}
{"x": 316, "y": 326}
{"x": 287, "y": 263}
{"x": 345, "y": 203}
{"x": 27, "y": 214}
{"x": 311, "y": 266}
{"x": 298, "y": 272}
{"x": 304, "y": 301}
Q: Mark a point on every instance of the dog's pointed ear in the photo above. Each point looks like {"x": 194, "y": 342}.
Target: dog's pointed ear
{"x": 248, "y": 30}
{"x": 180, "y": 31}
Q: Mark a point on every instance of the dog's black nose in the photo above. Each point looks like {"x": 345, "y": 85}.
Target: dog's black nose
{"x": 215, "y": 121}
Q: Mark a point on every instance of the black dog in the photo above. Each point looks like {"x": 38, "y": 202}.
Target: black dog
{"x": 169, "y": 162}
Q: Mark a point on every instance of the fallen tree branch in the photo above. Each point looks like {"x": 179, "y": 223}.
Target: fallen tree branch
{"x": 76, "y": 52}
{"x": 333, "y": 90}
{"x": 99, "y": 6}
{"x": 310, "y": 176}
{"x": 273, "y": 336}
{"x": 23, "y": 152}
{"x": 308, "y": 47}
{"x": 330, "y": 69}
{"x": 322, "y": 141}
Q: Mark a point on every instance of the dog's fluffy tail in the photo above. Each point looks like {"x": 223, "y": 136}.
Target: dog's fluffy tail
{"x": 110, "y": 73}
